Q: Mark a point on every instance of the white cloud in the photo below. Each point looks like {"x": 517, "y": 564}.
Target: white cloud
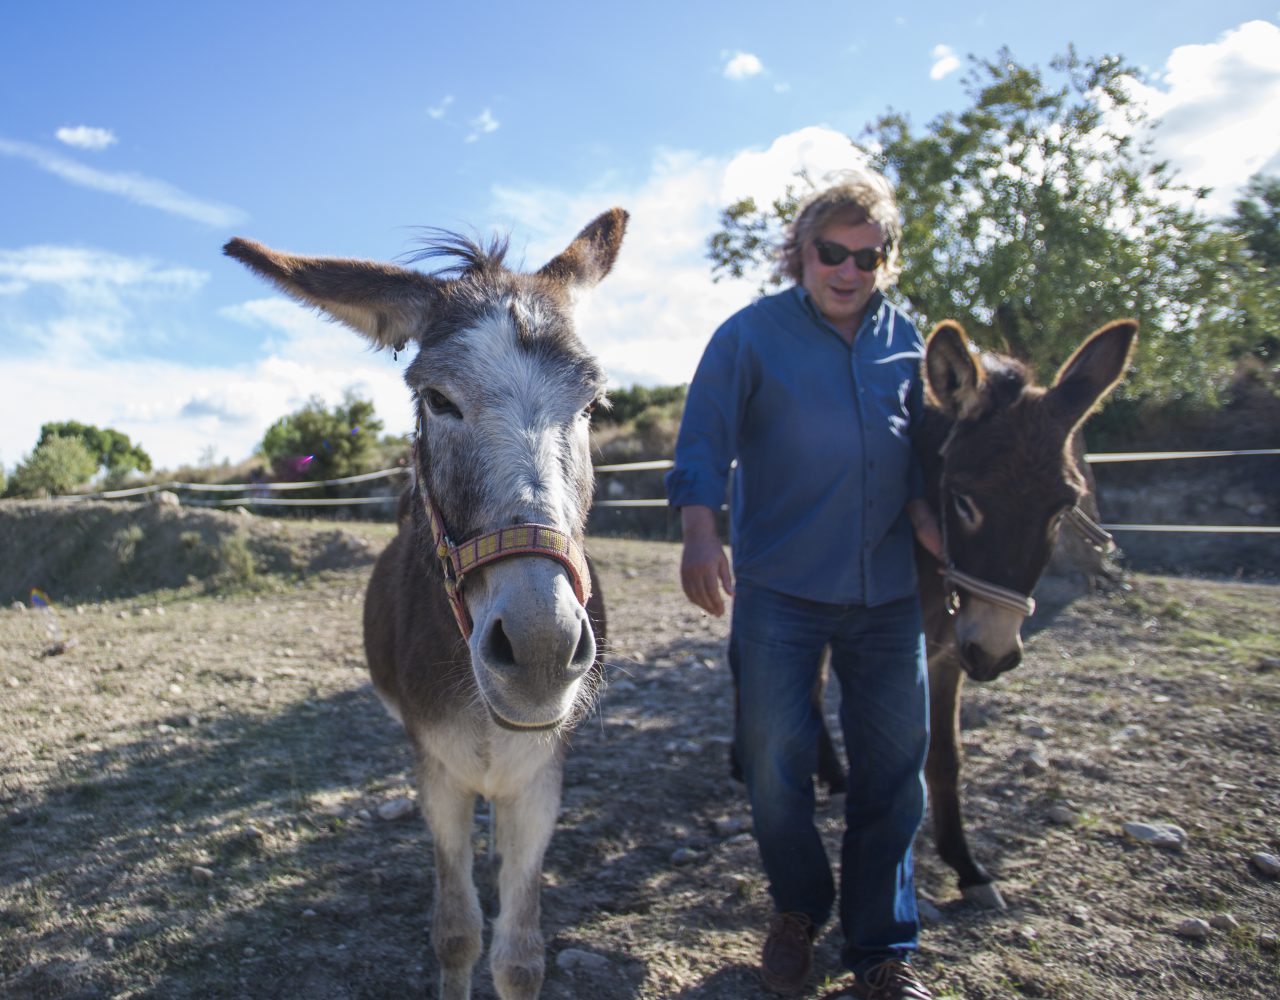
{"x": 134, "y": 187}
{"x": 945, "y": 62}
{"x": 483, "y": 124}
{"x": 652, "y": 316}
{"x": 77, "y": 270}
{"x": 1214, "y": 101}
{"x": 86, "y": 298}
{"x": 175, "y": 411}
{"x": 86, "y": 137}
{"x": 67, "y": 313}
{"x": 438, "y": 110}
{"x": 66, "y": 367}
{"x": 816, "y": 151}
{"x": 741, "y": 65}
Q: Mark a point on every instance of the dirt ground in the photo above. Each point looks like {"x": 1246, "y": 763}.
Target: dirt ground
{"x": 190, "y": 786}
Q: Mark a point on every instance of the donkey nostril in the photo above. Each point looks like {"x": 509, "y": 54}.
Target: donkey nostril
{"x": 499, "y": 646}
{"x": 585, "y": 653}
{"x": 1009, "y": 662}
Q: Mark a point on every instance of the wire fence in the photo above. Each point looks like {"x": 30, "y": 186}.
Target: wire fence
{"x": 257, "y": 494}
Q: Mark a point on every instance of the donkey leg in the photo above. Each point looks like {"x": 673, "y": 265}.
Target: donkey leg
{"x": 942, "y": 773}
{"x": 525, "y": 821}
{"x": 830, "y": 769}
{"x": 456, "y": 920}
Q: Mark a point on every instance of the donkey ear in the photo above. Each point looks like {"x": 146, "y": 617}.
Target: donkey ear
{"x": 387, "y": 304}
{"x": 1092, "y": 371}
{"x": 952, "y": 371}
{"x": 592, "y": 253}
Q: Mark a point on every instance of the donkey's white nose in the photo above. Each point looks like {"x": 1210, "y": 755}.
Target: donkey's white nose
{"x": 533, "y": 642}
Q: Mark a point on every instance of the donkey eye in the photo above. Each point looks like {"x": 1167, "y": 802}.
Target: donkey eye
{"x": 589, "y": 409}
{"x": 966, "y": 509}
{"x": 440, "y": 404}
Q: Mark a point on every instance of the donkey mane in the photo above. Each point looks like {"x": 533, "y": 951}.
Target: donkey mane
{"x": 469, "y": 255}
{"x": 1005, "y": 380}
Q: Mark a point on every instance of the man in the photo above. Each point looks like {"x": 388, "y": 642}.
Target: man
{"x": 814, "y": 391}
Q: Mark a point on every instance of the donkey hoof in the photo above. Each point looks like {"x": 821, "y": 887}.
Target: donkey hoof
{"x": 519, "y": 981}
{"x": 985, "y": 895}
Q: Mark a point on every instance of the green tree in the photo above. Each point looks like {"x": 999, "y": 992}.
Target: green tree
{"x": 58, "y": 465}
{"x": 1035, "y": 215}
{"x": 1252, "y": 324}
{"x": 114, "y": 452}
{"x": 1257, "y": 220}
{"x": 318, "y": 442}
{"x": 627, "y": 404}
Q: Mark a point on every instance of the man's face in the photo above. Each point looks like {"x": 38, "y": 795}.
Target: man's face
{"x": 841, "y": 291}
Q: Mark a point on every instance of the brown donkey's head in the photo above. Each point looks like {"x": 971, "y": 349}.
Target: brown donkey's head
{"x": 502, "y": 390}
{"x": 1008, "y": 475}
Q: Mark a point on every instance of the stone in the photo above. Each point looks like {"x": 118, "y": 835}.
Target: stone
{"x": 1224, "y": 922}
{"x": 201, "y": 874}
{"x": 684, "y": 856}
{"x": 1061, "y": 815}
{"x": 1194, "y": 929}
{"x": 1032, "y": 759}
{"x": 1157, "y": 834}
{"x": 395, "y": 809}
{"x": 1266, "y": 864}
{"x": 572, "y": 959}
{"x": 727, "y": 826}
{"x": 929, "y": 913}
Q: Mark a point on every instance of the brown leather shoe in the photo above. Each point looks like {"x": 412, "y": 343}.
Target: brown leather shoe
{"x": 787, "y": 958}
{"x": 891, "y": 980}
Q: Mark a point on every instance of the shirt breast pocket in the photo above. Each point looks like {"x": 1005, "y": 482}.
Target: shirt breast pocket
{"x": 889, "y": 390}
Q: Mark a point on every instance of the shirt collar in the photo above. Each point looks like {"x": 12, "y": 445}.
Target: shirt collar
{"x": 872, "y": 314}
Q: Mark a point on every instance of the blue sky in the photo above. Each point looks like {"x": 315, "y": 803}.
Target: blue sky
{"x": 136, "y": 137}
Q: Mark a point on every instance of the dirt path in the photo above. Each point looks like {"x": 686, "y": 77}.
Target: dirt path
{"x": 189, "y": 799}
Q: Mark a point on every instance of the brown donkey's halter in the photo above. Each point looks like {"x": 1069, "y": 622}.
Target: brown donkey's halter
{"x": 457, "y": 560}
{"x": 954, "y": 579}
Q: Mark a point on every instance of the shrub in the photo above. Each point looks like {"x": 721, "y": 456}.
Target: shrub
{"x": 58, "y": 465}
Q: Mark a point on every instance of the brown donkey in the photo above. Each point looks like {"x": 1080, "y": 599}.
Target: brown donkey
{"x": 996, "y": 452}
{"x": 487, "y": 659}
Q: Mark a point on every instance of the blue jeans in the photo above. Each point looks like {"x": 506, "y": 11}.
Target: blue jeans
{"x": 878, "y": 658}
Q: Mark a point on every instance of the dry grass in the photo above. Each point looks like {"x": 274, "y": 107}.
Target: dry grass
{"x": 184, "y": 792}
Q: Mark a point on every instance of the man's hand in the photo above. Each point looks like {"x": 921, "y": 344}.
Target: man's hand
{"x": 925, "y": 525}
{"x": 704, "y": 568}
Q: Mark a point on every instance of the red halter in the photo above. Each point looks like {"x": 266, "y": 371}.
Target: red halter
{"x": 457, "y": 560}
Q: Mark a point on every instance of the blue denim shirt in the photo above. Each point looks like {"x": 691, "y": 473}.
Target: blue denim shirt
{"x": 821, "y": 433}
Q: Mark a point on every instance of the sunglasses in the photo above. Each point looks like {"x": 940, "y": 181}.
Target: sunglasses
{"x": 835, "y": 254}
